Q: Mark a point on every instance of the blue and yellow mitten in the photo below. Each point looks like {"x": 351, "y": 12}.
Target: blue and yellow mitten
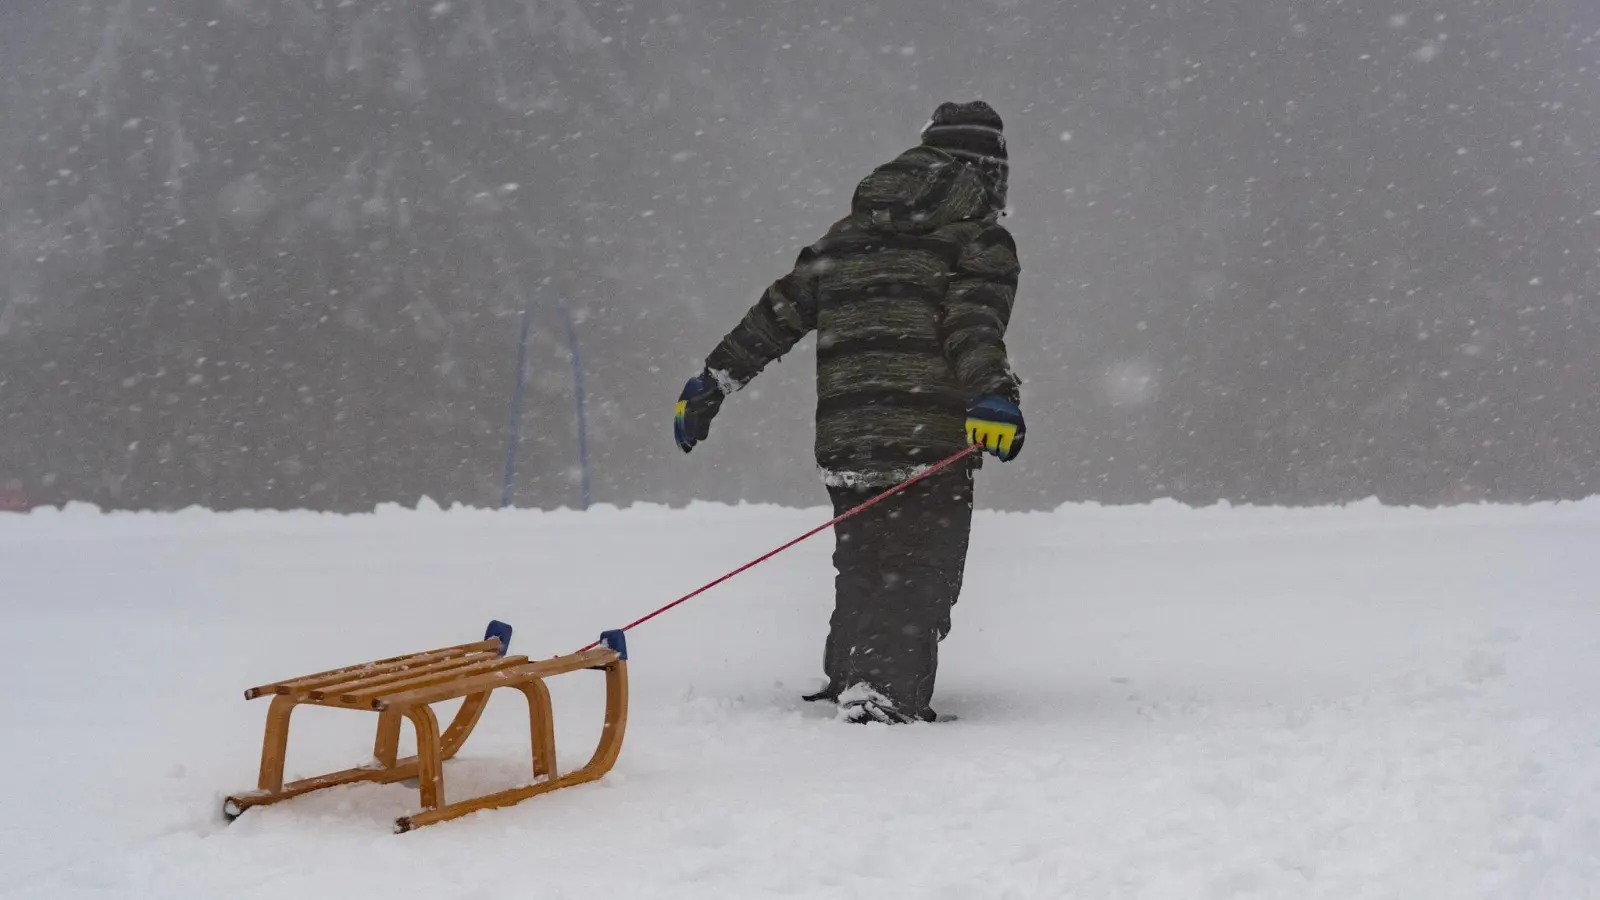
{"x": 697, "y": 406}
{"x": 995, "y": 423}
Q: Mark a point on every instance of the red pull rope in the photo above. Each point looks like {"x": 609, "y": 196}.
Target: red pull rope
{"x": 931, "y": 470}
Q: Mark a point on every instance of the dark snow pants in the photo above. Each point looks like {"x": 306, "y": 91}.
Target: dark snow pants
{"x": 900, "y": 565}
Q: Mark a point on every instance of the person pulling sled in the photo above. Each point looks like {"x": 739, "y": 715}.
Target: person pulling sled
{"x": 910, "y": 295}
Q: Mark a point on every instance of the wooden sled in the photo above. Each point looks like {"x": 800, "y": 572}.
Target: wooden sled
{"x": 403, "y": 687}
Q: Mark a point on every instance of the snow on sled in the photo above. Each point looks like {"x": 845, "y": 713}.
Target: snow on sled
{"x": 404, "y": 687}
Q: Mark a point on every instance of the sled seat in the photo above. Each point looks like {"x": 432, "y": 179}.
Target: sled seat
{"x": 404, "y": 687}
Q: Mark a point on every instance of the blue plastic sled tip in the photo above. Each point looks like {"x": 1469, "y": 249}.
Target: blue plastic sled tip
{"x": 617, "y": 641}
{"x": 499, "y": 631}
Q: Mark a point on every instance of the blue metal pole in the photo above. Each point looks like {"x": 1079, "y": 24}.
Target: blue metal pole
{"x": 514, "y": 429}
{"x": 578, "y": 399}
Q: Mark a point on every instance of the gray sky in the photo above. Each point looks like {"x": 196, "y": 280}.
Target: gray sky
{"x": 274, "y": 253}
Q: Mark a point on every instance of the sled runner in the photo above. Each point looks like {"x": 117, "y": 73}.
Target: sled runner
{"x": 404, "y": 687}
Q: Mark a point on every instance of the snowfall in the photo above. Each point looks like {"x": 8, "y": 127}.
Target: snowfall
{"x": 1148, "y": 702}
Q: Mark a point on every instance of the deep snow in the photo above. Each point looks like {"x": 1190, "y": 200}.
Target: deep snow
{"x": 1154, "y": 702}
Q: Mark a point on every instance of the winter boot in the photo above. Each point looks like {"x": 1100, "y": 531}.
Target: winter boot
{"x": 861, "y": 704}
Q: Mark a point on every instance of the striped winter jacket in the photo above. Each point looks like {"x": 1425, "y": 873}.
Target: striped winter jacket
{"x": 910, "y": 296}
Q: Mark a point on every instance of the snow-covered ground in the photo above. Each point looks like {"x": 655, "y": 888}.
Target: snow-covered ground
{"x": 1153, "y": 703}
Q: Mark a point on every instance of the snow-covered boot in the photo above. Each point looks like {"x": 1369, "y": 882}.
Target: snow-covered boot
{"x": 861, "y": 704}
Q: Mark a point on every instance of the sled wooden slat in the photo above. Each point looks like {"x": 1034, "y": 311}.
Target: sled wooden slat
{"x": 430, "y": 679}
{"x": 359, "y": 670}
{"x": 344, "y": 688}
{"x": 543, "y": 669}
{"x": 402, "y": 688}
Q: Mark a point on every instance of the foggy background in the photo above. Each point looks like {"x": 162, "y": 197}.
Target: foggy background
{"x": 273, "y": 253}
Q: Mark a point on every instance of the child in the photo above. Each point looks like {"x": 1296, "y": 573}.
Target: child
{"x": 910, "y": 295}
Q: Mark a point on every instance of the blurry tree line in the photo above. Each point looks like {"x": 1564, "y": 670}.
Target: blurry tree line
{"x": 273, "y": 253}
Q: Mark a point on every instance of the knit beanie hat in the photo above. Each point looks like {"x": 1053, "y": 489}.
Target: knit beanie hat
{"x": 973, "y": 133}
